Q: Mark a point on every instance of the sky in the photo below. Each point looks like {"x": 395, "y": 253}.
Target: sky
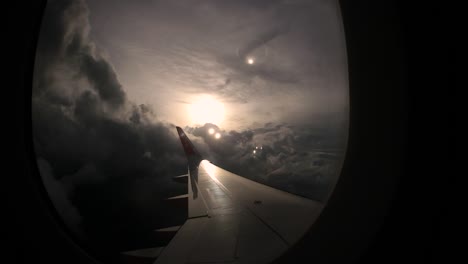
{"x": 112, "y": 79}
{"x": 167, "y": 53}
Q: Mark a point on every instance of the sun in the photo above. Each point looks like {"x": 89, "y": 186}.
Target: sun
{"x": 206, "y": 109}
{"x": 250, "y": 61}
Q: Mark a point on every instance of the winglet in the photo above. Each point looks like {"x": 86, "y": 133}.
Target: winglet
{"x": 191, "y": 152}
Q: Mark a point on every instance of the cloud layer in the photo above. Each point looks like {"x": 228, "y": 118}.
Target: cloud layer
{"x": 295, "y": 159}
{"x": 87, "y": 133}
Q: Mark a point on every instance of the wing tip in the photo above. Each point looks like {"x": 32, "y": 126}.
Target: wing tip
{"x": 191, "y": 152}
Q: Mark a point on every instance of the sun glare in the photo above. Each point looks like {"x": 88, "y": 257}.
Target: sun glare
{"x": 206, "y": 110}
{"x": 217, "y": 135}
{"x": 250, "y": 61}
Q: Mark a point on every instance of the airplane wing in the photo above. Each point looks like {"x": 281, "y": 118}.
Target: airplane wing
{"x": 232, "y": 219}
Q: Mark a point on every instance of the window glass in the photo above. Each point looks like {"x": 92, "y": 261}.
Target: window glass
{"x": 260, "y": 88}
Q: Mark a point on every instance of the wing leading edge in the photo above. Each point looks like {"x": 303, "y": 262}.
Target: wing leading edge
{"x": 233, "y": 219}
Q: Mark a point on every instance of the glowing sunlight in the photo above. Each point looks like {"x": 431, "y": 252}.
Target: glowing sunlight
{"x": 206, "y": 110}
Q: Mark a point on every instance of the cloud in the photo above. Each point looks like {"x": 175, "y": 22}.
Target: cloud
{"x": 291, "y": 158}
{"x": 182, "y": 49}
{"x": 262, "y": 68}
{"x": 260, "y": 40}
{"x": 64, "y": 43}
{"x": 103, "y": 79}
{"x": 97, "y": 143}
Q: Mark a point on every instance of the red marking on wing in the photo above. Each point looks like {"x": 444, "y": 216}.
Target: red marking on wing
{"x": 188, "y": 148}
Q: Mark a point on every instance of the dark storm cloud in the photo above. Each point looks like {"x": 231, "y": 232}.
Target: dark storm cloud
{"x": 60, "y": 198}
{"x": 103, "y": 79}
{"x": 64, "y": 41}
{"x": 80, "y": 141}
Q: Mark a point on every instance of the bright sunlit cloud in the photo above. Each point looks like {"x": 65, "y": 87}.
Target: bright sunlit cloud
{"x": 206, "y": 109}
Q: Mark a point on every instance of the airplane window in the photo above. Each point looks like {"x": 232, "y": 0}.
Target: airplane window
{"x": 155, "y": 120}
